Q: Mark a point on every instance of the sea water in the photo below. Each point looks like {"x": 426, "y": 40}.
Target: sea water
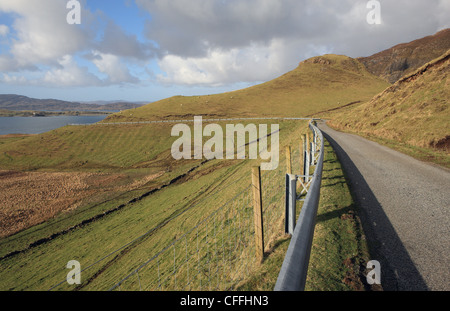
{"x": 38, "y": 125}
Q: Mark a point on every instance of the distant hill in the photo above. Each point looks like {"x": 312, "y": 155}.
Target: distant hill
{"x": 317, "y": 84}
{"x": 405, "y": 58}
{"x": 415, "y": 110}
{"x": 19, "y": 103}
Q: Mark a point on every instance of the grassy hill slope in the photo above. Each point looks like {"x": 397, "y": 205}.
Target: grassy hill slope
{"x": 414, "y": 111}
{"x": 317, "y": 84}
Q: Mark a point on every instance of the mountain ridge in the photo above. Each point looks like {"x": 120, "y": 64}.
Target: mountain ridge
{"x": 21, "y": 103}
{"x": 316, "y": 84}
{"x": 404, "y": 58}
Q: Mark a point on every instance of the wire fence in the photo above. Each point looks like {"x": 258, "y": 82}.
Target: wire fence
{"x": 204, "y": 258}
{"x": 217, "y": 253}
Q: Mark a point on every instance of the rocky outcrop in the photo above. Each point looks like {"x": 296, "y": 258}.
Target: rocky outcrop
{"x": 400, "y": 60}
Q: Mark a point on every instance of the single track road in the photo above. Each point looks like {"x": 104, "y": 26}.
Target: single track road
{"x": 404, "y": 208}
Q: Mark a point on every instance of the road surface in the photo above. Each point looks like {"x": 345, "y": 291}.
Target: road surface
{"x": 405, "y": 211}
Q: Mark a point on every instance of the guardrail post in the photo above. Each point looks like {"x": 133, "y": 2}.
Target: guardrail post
{"x": 290, "y": 203}
{"x": 286, "y": 204}
{"x": 257, "y": 209}
{"x": 315, "y": 138}
{"x": 311, "y": 149}
{"x": 306, "y": 154}
{"x": 302, "y": 155}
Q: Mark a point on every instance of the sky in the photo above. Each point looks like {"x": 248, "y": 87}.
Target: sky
{"x": 146, "y": 50}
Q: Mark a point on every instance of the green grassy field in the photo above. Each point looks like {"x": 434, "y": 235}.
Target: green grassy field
{"x": 94, "y": 148}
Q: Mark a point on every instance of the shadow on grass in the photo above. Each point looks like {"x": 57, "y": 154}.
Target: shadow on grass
{"x": 335, "y": 213}
{"x": 265, "y": 276}
{"x": 276, "y": 245}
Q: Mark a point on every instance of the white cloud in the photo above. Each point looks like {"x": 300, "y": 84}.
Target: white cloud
{"x": 112, "y": 66}
{"x": 257, "y": 62}
{"x": 217, "y": 41}
{"x": 212, "y": 24}
{"x": 13, "y": 79}
{"x": 70, "y": 74}
{"x": 43, "y": 39}
{"x": 42, "y": 33}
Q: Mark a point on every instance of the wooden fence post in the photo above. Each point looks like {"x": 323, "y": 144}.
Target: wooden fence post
{"x": 257, "y": 208}
{"x": 305, "y": 157}
{"x": 292, "y": 203}
{"x": 288, "y": 160}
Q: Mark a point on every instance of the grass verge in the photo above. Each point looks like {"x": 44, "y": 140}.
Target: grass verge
{"x": 429, "y": 155}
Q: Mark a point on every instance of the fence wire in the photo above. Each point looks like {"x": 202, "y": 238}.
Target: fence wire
{"x": 210, "y": 256}
{"x": 219, "y": 251}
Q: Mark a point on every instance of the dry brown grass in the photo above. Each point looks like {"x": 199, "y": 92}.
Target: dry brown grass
{"x": 30, "y": 198}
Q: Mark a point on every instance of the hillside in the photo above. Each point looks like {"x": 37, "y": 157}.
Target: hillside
{"x": 414, "y": 111}
{"x": 24, "y": 103}
{"x": 406, "y": 58}
{"x": 318, "y": 83}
